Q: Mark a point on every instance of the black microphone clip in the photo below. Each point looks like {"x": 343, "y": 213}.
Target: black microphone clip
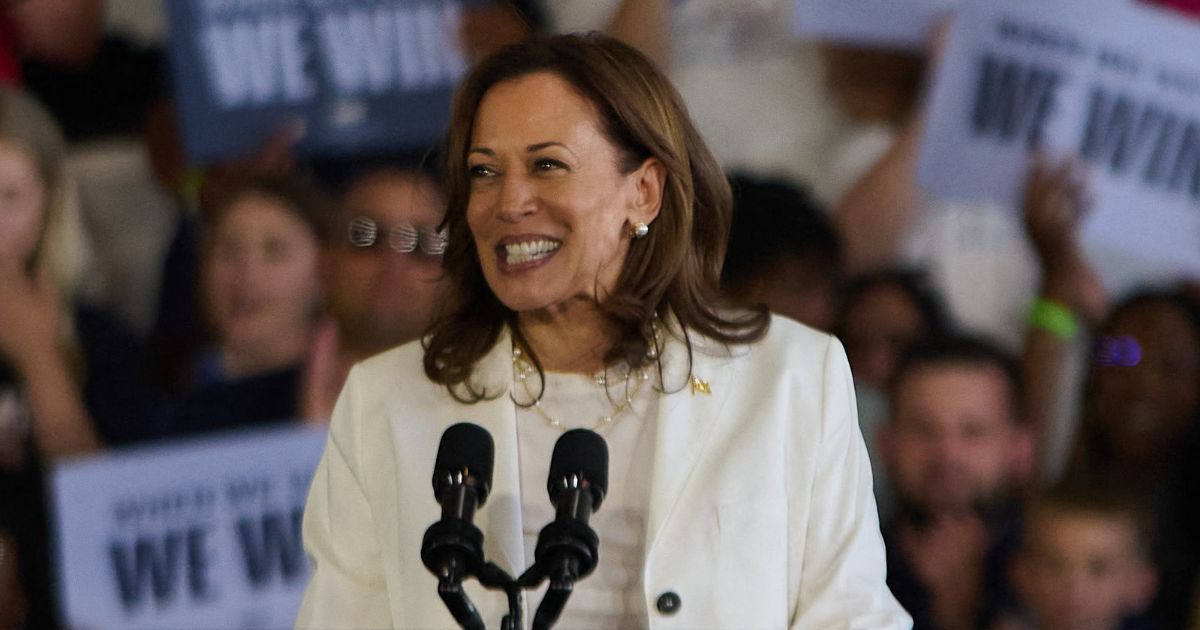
{"x": 452, "y": 548}
{"x": 568, "y": 548}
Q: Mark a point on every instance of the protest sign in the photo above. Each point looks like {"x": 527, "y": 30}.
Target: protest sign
{"x": 872, "y": 23}
{"x": 356, "y": 75}
{"x": 1115, "y": 83}
{"x": 199, "y": 534}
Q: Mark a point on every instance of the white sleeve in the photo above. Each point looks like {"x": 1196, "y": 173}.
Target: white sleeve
{"x": 842, "y": 581}
{"x": 346, "y": 588}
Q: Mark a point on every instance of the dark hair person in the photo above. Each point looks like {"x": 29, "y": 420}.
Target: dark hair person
{"x": 1141, "y": 425}
{"x": 587, "y": 224}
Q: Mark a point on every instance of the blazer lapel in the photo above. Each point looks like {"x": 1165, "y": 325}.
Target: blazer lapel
{"x": 685, "y": 421}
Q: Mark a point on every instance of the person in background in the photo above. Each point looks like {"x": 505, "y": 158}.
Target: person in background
{"x": 957, "y": 454}
{"x": 975, "y": 254}
{"x": 1124, "y": 404}
{"x": 1084, "y": 561}
{"x": 63, "y": 364}
{"x": 381, "y": 267}
{"x": 1140, "y": 424}
{"x": 261, "y": 296}
{"x": 880, "y": 316}
{"x": 782, "y": 252}
{"x": 64, "y": 32}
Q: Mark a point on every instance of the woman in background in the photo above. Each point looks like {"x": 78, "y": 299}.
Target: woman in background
{"x": 62, "y": 364}
{"x": 261, "y": 297}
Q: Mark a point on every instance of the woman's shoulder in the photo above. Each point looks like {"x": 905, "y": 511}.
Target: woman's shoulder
{"x": 786, "y": 345}
{"x": 789, "y": 334}
{"x": 405, "y": 361}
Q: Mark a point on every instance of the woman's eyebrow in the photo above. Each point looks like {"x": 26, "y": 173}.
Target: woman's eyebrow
{"x": 538, "y": 146}
{"x": 542, "y": 145}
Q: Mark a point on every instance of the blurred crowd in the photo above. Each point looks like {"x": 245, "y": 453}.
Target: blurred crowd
{"x": 1035, "y": 440}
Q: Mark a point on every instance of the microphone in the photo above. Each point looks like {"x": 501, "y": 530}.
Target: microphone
{"x": 567, "y": 549}
{"x": 452, "y": 548}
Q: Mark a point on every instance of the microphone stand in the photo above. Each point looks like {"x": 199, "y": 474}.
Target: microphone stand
{"x": 567, "y": 550}
{"x": 453, "y": 550}
{"x": 497, "y": 579}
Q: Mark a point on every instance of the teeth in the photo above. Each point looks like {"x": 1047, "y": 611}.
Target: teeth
{"x": 517, "y": 253}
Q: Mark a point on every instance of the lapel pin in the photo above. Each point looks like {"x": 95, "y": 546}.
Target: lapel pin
{"x": 700, "y": 386}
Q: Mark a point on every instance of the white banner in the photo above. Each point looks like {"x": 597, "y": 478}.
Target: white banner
{"x": 200, "y": 534}
{"x": 1113, "y": 82}
{"x": 882, "y": 23}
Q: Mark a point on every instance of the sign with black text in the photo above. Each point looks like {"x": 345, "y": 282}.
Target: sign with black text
{"x": 1114, "y": 83}
{"x": 198, "y": 534}
{"x": 883, "y": 23}
{"x": 355, "y": 75}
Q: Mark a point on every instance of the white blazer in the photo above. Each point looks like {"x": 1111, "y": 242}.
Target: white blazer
{"x": 761, "y": 512}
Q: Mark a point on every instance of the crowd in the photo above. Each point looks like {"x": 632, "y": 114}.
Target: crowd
{"x": 1034, "y": 439}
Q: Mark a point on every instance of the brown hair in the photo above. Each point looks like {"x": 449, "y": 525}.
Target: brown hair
{"x": 1098, "y": 496}
{"x": 299, "y": 194}
{"x": 675, "y": 269}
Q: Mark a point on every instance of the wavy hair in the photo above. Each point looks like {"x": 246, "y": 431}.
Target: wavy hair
{"x": 675, "y": 270}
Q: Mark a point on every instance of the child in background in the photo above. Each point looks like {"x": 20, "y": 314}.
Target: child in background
{"x": 1084, "y": 562}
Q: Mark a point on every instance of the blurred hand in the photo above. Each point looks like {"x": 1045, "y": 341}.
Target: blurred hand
{"x": 324, "y": 375}
{"x": 29, "y": 313}
{"x": 1055, "y": 205}
{"x": 948, "y": 557}
{"x": 938, "y": 39}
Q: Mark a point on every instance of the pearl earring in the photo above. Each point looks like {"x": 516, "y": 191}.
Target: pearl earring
{"x": 640, "y": 229}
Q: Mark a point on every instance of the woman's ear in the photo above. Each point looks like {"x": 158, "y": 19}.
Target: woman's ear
{"x": 649, "y": 184}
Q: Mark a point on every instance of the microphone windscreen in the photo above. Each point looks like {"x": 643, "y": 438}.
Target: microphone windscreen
{"x": 465, "y": 447}
{"x": 581, "y": 452}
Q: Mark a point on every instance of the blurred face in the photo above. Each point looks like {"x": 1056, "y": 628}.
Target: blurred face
{"x": 549, "y": 208}
{"x": 261, "y": 276}
{"x": 382, "y": 297}
{"x": 22, "y": 203}
{"x": 800, "y": 291}
{"x": 882, "y": 323}
{"x": 952, "y": 443}
{"x": 1145, "y": 405}
{"x": 1082, "y": 571}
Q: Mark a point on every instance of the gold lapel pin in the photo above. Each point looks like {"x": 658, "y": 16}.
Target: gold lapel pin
{"x": 700, "y": 385}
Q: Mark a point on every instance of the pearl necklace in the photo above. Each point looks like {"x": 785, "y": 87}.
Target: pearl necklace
{"x": 523, "y": 369}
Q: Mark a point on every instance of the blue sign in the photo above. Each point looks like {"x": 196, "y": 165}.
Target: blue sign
{"x": 356, "y": 75}
{"x": 202, "y": 533}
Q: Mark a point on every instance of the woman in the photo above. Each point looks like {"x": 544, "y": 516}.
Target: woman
{"x": 261, "y": 296}
{"x": 587, "y": 224}
{"x": 1141, "y": 427}
{"x": 61, "y": 364}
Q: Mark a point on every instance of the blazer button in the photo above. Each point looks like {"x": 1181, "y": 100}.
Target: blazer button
{"x": 668, "y": 603}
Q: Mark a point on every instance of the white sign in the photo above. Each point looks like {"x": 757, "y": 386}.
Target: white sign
{"x": 200, "y": 534}
{"x": 883, "y": 23}
{"x": 1113, "y": 82}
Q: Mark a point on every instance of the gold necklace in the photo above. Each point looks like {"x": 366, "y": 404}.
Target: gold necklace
{"x": 523, "y": 369}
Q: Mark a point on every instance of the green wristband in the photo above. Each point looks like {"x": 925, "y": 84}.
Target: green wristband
{"x": 1054, "y": 318}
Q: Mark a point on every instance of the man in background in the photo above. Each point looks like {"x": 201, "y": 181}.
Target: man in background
{"x": 382, "y": 271}
{"x": 957, "y": 452}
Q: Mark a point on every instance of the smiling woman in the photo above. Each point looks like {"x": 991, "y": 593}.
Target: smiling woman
{"x": 559, "y": 153}
{"x": 587, "y": 224}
